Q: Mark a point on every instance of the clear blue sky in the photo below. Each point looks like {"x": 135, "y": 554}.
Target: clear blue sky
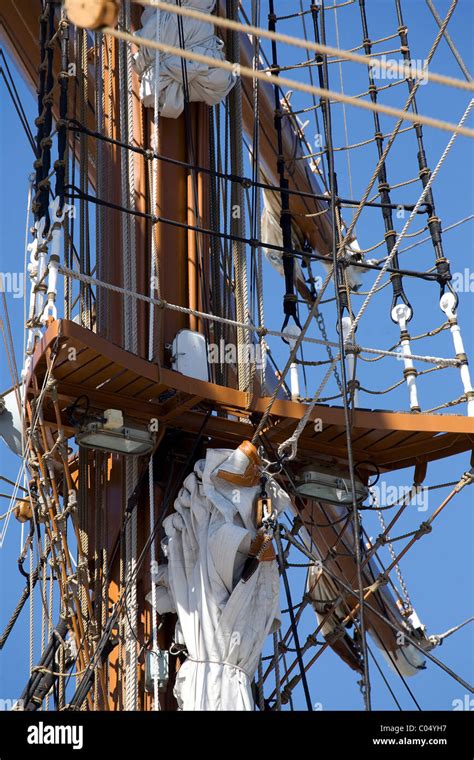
{"x": 439, "y": 570}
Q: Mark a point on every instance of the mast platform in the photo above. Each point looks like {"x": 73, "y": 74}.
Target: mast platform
{"x": 112, "y": 377}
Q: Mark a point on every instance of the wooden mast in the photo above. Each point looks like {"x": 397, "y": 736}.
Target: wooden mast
{"x": 179, "y": 262}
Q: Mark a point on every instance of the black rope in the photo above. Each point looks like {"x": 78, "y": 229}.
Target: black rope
{"x": 63, "y": 77}
{"x": 288, "y": 261}
{"x": 390, "y": 234}
{"x": 16, "y": 100}
{"x": 77, "y": 195}
{"x": 76, "y": 126}
{"x": 293, "y": 625}
{"x": 434, "y": 223}
{"x": 45, "y": 116}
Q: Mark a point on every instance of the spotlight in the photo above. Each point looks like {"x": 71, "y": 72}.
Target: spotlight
{"x": 329, "y": 485}
{"x": 110, "y": 434}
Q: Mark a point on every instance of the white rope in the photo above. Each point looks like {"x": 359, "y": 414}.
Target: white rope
{"x": 291, "y": 443}
{"x": 254, "y": 328}
{"x": 292, "y": 84}
{"x": 405, "y": 70}
{"x": 154, "y": 282}
{"x": 130, "y": 328}
{"x": 423, "y": 240}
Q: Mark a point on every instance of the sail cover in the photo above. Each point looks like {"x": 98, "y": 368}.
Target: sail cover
{"x": 222, "y": 620}
{"x": 205, "y": 83}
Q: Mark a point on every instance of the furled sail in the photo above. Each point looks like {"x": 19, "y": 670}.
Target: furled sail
{"x": 323, "y": 589}
{"x": 205, "y": 83}
{"x": 223, "y": 619}
{"x": 404, "y": 659}
{"x": 271, "y": 234}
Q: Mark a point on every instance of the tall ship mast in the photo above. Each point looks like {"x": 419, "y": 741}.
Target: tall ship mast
{"x": 213, "y": 288}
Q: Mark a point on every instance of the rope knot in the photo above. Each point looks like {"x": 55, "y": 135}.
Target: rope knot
{"x": 424, "y": 528}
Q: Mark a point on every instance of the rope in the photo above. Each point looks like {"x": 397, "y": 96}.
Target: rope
{"x": 344, "y": 113}
{"x": 276, "y": 662}
{"x": 162, "y": 304}
{"x": 349, "y": 231}
{"x": 407, "y": 604}
{"x": 450, "y": 42}
{"x": 427, "y": 239}
{"x": 131, "y": 344}
{"x": 248, "y": 29}
{"x": 246, "y": 71}
{"x": 237, "y": 198}
{"x": 292, "y": 442}
{"x": 154, "y": 285}
{"x": 256, "y": 196}
{"x": 31, "y": 619}
{"x": 407, "y": 224}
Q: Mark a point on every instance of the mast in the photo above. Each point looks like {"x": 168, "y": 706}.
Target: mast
{"x": 123, "y": 362}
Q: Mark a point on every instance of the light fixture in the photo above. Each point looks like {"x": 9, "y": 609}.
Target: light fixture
{"x": 110, "y": 434}
{"x": 329, "y": 485}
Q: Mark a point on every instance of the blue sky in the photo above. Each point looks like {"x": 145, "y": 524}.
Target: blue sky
{"x": 439, "y": 570}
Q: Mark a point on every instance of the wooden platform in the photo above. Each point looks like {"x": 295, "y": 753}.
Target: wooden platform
{"x": 113, "y": 377}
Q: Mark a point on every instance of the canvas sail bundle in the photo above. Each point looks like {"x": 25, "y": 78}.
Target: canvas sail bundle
{"x": 404, "y": 659}
{"x": 271, "y": 233}
{"x": 223, "y": 621}
{"x": 205, "y": 83}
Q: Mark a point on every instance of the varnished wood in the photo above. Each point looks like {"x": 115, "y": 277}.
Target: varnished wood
{"x": 390, "y": 440}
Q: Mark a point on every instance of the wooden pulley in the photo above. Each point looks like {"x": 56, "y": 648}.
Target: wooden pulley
{"x": 262, "y": 507}
{"x": 92, "y": 14}
{"x": 23, "y": 511}
{"x": 420, "y": 473}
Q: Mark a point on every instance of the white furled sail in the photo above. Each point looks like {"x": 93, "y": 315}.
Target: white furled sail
{"x": 405, "y": 659}
{"x": 223, "y": 619}
{"x": 271, "y": 233}
{"x": 205, "y": 83}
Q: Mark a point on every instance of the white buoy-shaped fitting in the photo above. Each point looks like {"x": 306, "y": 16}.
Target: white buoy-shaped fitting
{"x": 448, "y": 304}
{"x": 402, "y": 314}
{"x": 32, "y": 274}
{"x": 50, "y": 310}
{"x": 292, "y": 333}
{"x": 351, "y": 364}
{"x": 33, "y": 335}
{"x": 36, "y": 272}
{"x": 57, "y": 216}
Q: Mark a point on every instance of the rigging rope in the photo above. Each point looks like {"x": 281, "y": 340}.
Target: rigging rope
{"x": 400, "y": 237}
{"x": 228, "y": 23}
{"x": 290, "y": 83}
